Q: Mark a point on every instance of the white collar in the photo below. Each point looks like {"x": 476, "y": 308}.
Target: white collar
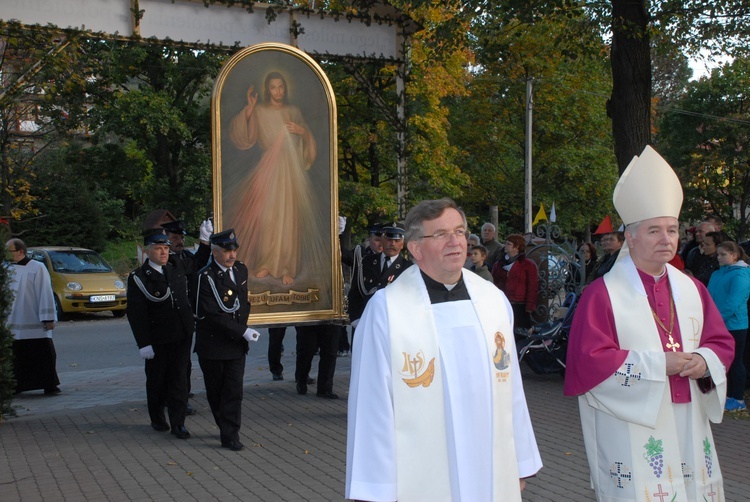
{"x": 158, "y": 268}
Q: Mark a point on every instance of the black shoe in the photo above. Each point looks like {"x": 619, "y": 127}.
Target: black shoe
{"x": 189, "y": 410}
{"x": 277, "y": 377}
{"x": 53, "y": 391}
{"x": 160, "y": 427}
{"x": 310, "y": 381}
{"x": 180, "y": 432}
{"x": 191, "y": 395}
{"x": 327, "y": 395}
{"x": 233, "y": 445}
{"x": 301, "y": 388}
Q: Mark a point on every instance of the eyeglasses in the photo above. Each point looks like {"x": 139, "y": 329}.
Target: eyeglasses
{"x": 13, "y": 250}
{"x": 444, "y": 235}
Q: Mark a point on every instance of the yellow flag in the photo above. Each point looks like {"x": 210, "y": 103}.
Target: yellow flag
{"x": 541, "y": 215}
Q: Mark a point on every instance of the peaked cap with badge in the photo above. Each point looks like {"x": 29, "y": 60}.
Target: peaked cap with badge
{"x": 155, "y": 236}
{"x": 226, "y": 239}
{"x": 393, "y": 231}
{"x": 175, "y": 227}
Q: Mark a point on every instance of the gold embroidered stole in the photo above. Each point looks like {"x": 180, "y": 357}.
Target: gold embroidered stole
{"x": 418, "y": 393}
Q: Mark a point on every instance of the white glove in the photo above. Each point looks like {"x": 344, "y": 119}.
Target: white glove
{"x": 147, "y": 352}
{"x": 251, "y": 335}
{"x": 207, "y": 228}
{"x": 342, "y": 224}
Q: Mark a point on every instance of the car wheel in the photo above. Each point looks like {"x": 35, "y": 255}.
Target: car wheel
{"x": 118, "y": 313}
{"x": 61, "y": 316}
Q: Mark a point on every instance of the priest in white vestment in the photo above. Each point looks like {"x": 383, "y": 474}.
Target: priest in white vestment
{"x": 647, "y": 356}
{"x": 433, "y": 414}
{"x": 31, "y": 320}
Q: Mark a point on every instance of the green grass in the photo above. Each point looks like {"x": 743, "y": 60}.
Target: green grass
{"x": 121, "y": 255}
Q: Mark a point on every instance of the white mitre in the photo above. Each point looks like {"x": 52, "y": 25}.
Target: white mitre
{"x": 649, "y": 188}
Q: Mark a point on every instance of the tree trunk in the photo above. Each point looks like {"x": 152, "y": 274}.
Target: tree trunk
{"x": 630, "y": 104}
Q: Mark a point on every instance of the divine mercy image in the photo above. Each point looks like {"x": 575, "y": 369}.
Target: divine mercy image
{"x": 276, "y": 180}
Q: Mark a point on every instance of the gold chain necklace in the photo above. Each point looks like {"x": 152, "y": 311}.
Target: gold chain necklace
{"x": 671, "y": 344}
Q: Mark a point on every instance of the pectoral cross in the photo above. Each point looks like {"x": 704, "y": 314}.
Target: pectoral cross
{"x": 672, "y": 345}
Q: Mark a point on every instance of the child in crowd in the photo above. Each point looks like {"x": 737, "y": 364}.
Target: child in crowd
{"x": 478, "y": 256}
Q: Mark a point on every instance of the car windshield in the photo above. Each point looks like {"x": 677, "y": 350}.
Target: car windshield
{"x": 78, "y": 262}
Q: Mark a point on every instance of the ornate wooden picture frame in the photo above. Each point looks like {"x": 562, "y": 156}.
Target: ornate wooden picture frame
{"x": 275, "y": 182}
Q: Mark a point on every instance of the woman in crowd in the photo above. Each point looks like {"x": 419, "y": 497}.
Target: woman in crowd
{"x": 708, "y": 262}
{"x": 516, "y": 276}
{"x": 587, "y": 253}
{"x": 730, "y": 288}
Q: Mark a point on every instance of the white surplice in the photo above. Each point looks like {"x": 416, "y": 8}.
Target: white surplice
{"x": 33, "y": 302}
{"x": 476, "y": 460}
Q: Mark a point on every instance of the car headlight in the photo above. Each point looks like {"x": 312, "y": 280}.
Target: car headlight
{"x": 75, "y": 286}
{"x": 119, "y": 284}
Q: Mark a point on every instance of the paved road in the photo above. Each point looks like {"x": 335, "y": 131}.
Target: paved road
{"x": 94, "y": 442}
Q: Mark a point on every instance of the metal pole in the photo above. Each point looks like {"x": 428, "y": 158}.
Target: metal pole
{"x": 402, "y": 74}
{"x": 401, "y": 185}
{"x": 529, "y": 110}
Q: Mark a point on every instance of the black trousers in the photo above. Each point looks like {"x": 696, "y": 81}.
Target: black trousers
{"x": 275, "y": 342}
{"x": 344, "y": 340}
{"x": 223, "y": 379}
{"x": 737, "y": 373}
{"x": 167, "y": 382}
{"x": 309, "y": 339}
{"x": 522, "y": 317}
{"x": 34, "y": 364}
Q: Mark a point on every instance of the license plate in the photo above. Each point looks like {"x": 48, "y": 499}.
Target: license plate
{"x": 102, "y": 298}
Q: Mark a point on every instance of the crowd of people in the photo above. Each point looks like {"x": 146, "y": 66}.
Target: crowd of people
{"x": 655, "y": 350}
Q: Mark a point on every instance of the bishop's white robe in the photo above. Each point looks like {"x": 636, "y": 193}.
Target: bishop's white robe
{"x": 449, "y": 453}
{"x": 647, "y": 435}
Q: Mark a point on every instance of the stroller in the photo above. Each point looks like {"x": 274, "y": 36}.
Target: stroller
{"x": 544, "y": 346}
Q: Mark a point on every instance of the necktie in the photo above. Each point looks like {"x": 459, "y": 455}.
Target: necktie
{"x": 231, "y": 275}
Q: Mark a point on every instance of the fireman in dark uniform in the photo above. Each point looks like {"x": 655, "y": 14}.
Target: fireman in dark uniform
{"x": 161, "y": 319}
{"x": 222, "y": 334}
{"x": 189, "y": 263}
{"x": 377, "y": 271}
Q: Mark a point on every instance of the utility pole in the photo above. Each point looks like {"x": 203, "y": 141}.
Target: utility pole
{"x": 527, "y": 185}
